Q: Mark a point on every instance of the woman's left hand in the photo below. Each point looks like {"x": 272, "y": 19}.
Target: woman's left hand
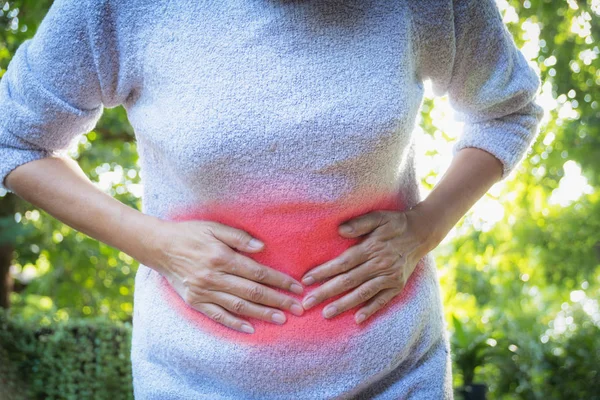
{"x": 378, "y": 267}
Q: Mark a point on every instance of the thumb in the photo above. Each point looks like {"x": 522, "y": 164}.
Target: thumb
{"x": 236, "y": 238}
{"x": 362, "y": 224}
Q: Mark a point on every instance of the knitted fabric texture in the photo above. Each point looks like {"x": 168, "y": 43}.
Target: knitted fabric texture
{"x": 283, "y": 118}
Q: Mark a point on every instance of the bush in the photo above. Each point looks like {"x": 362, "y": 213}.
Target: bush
{"x": 564, "y": 366}
{"x": 531, "y": 360}
{"x": 80, "y": 359}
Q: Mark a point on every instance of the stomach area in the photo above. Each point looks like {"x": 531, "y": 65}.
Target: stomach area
{"x": 298, "y": 234}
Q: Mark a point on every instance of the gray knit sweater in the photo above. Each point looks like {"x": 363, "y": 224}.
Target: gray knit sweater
{"x": 283, "y": 118}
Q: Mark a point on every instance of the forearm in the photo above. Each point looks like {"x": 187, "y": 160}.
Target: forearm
{"x": 61, "y": 188}
{"x": 470, "y": 175}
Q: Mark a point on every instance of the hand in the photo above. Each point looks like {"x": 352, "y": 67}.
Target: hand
{"x": 378, "y": 267}
{"x": 196, "y": 259}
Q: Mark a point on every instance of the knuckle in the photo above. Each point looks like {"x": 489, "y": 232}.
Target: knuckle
{"x": 343, "y": 264}
{"x": 381, "y": 264}
{"x": 189, "y": 298}
{"x": 193, "y": 283}
{"x": 194, "y": 298}
{"x": 260, "y": 274}
{"x": 203, "y": 227}
{"x": 206, "y": 279}
{"x": 347, "y": 281}
{"x": 390, "y": 270}
{"x": 373, "y": 246}
{"x": 217, "y": 316}
{"x": 200, "y": 292}
{"x": 198, "y": 306}
{"x": 238, "y": 306}
{"x": 256, "y": 293}
{"x": 365, "y": 293}
{"x": 399, "y": 277}
{"x": 194, "y": 289}
{"x": 218, "y": 257}
{"x": 207, "y": 225}
{"x": 186, "y": 282}
{"x": 381, "y": 301}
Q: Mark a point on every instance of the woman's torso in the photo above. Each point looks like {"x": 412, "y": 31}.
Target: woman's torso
{"x": 282, "y": 118}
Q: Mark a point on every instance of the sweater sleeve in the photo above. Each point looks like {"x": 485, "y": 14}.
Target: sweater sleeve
{"x": 470, "y": 55}
{"x": 55, "y": 86}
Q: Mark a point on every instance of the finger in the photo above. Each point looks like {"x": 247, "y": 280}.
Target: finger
{"x": 363, "y": 224}
{"x": 259, "y": 294}
{"x": 349, "y": 259}
{"x": 246, "y": 267}
{"x": 233, "y": 237}
{"x": 351, "y": 279}
{"x": 333, "y": 287}
{"x": 223, "y": 317}
{"x": 358, "y": 274}
{"x": 244, "y": 307}
{"x": 358, "y": 296}
{"x": 376, "y": 303}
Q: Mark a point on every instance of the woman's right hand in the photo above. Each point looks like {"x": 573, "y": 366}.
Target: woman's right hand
{"x": 195, "y": 256}
{"x": 197, "y": 259}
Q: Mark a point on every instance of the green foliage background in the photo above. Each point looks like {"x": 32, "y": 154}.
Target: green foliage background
{"x": 81, "y": 359}
{"x": 526, "y": 289}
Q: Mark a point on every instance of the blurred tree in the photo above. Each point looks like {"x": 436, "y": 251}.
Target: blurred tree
{"x": 12, "y": 35}
{"x": 531, "y": 280}
{"x": 58, "y": 269}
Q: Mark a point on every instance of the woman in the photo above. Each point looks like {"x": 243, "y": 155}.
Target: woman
{"x": 264, "y": 128}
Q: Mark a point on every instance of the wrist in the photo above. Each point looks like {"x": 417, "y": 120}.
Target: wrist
{"x": 143, "y": 241}
{"x": 431, "y": 225}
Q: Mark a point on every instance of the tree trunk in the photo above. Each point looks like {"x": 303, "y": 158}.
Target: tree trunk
{"x": 6, "y": 284}
{"x": 7, "y": 210}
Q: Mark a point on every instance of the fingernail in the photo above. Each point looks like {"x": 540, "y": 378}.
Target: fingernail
{"x": 297, "y": 309}
{"x": 247, "y": 328}
{"x": 360, "y": 318}
{"x": 278, "y": 318}
{"x": 308, "y": 280}
{"x": 346, "y": 228}
{"x": 296, "y": 288}
{"x": 308, "y": 303}
{"x": 255, "y": 244}
{"x": 329, "y": 311}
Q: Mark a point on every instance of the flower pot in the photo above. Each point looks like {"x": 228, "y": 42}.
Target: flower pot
{"x": 473, "y": 391}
